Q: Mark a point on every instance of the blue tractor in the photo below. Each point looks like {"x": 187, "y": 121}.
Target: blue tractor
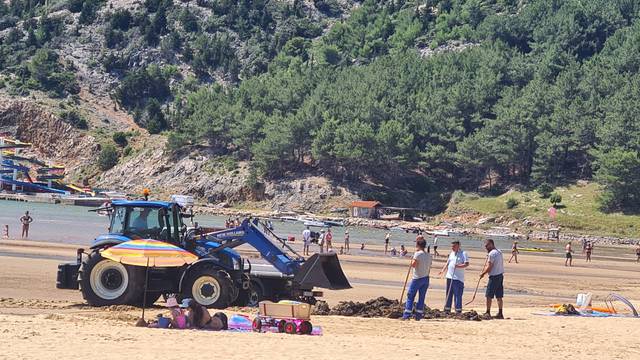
{"x": 220, "y": 278}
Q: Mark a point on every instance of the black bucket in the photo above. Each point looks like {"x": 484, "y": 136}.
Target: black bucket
{"x": 323, "y": 271}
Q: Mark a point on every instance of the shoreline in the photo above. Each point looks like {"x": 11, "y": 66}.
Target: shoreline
{"x": 461, "y": 229}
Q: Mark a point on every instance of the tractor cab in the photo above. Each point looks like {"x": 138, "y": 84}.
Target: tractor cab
{"x": 157, "y": 220}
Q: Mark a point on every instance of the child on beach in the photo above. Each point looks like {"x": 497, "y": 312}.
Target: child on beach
{"x": 178, "y": 317}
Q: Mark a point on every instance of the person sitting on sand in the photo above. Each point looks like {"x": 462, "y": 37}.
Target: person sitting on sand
{"x": 514, "y": 252}
{"x": 178, "y": 317}
{"x": 403, "y": 251}
{"x": 568, "y": 257}
{"x": 420, "y": 264}
{"x": 393, "y": 251}
{"x": 198, "y": 317}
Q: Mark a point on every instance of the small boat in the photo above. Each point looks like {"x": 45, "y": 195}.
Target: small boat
{"x": 314, "y": 223}
{"x": 288, "y": 218}
{"x": 333, "y": 223}
{"x": 535, "y": 249}
{"x": 438, "y": 232}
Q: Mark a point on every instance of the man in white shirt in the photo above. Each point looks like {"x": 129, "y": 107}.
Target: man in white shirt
{"x": 456, "y": 263}
{"x": 421, "y": 263}
{"x": 495, "y": 269}
{"x": 306, "y": 241}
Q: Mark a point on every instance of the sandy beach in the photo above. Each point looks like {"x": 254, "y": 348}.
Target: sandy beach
{"x": 40, "y": 321}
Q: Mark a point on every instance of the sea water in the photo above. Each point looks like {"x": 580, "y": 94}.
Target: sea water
{"x": 77, "y": 225}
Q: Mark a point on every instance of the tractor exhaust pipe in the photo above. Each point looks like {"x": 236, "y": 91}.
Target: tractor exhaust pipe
{"x": 323, "y": 271}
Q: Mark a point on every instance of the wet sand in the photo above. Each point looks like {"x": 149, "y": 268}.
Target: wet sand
{"x": 34, "y": 316}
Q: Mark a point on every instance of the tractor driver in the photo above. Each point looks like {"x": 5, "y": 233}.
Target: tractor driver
{"x": 140, "y": 224}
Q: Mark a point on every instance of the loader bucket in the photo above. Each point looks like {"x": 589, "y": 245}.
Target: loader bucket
{"x": 323, "y": 271}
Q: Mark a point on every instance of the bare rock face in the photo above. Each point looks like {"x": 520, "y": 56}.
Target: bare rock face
{"x": 52, "y": 139}
{"x": 201, "y": 176}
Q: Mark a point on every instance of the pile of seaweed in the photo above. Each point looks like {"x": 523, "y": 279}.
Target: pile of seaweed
{"x": 386, "y": 308}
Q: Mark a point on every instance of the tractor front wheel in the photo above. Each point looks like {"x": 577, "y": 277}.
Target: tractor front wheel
{"x": 209, "y": 287}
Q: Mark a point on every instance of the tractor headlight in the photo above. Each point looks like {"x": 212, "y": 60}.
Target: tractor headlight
{"x": 236, "y": 264}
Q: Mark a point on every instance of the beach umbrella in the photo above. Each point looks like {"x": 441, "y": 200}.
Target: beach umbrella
{"x": 148, "y": 253}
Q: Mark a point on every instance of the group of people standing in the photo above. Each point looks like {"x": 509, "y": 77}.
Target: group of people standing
{"x": 454, "y": 267}
{"x": 587, "y": 250}
{"x": 324, "y": 239}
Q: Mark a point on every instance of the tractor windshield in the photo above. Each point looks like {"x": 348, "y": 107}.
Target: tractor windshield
{"x": 140, "y": 222}
{"x": 150, "y": 223}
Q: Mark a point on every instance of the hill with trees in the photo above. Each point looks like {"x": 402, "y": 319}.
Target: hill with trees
{"x": 429, "y": 96}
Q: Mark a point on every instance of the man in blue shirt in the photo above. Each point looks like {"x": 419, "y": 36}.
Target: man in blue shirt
{"x": 456, "y": 263}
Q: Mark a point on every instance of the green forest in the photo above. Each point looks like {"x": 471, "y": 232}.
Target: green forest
{"x": 436, "y": 94}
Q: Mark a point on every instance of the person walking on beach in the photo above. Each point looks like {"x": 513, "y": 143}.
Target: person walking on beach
{"x": 346, "y": 241}
{"x": 321, "y": 240}
{"x": 26, "y": 220}
{"x": 435, "y": 246}
{"x": 456, "y": 263}
{"x": 495, "y": 269}
{"x": 584, "y": 245}
{"x": 327, "y": 239}
{"x": 568, "y": 257}
{"x": 420, "y": 264}
{"x": 306, "y": 240}
{"x": 514, "y": 252}
{"x": 386, "y": 242}
{"x": 638, "y": 252}
{"x": 589, "y": 250}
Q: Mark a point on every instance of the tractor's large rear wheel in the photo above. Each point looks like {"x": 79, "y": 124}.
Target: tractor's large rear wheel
{"x": 209, "y": 287}
{"x": 104, "y": 282}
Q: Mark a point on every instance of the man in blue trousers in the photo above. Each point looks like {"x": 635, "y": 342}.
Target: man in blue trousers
{"x": 456, "y": 263}
{"x": 421, "y": 263}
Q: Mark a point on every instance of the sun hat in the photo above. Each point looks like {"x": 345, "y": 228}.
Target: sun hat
{"x": 171, "y": 302}
{"x": 186, "y": 302}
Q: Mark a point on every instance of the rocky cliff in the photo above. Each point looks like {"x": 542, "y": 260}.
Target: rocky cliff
{"x": 53, "y": 139}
